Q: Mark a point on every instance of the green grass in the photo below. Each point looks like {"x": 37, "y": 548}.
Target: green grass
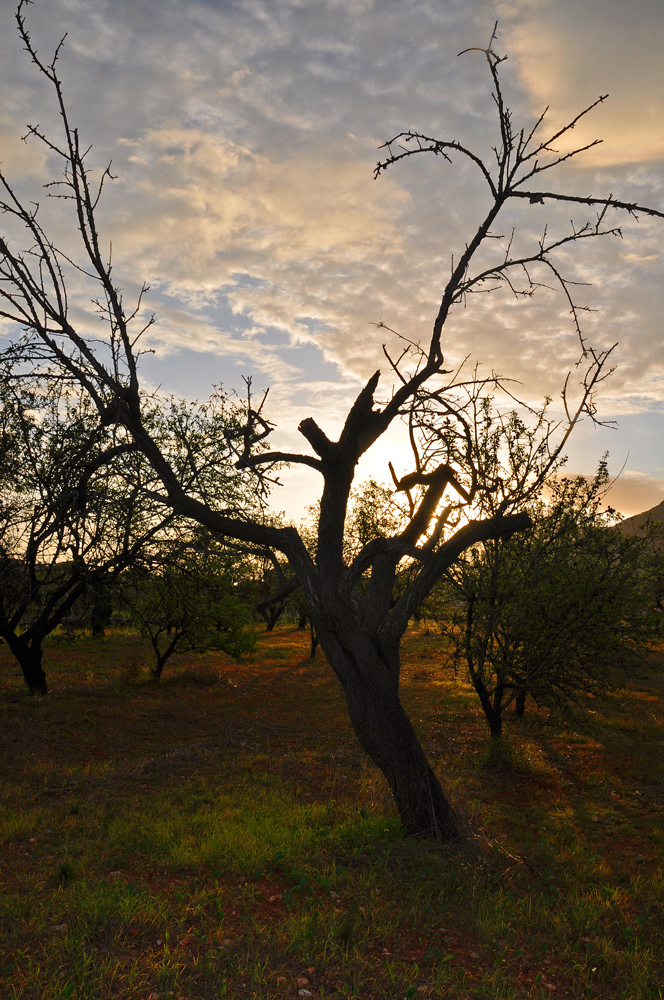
{"x": 221, "y": 835}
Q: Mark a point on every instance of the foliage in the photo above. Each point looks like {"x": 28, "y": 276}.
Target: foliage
{"x": 560, "y": 612}
{"x": 373, "y": 512}
{"x": 78, "y": 504}
{"x": 70, "y": 518}
{"x": 185, "y": 598}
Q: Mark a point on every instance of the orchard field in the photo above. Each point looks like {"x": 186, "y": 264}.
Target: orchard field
{"x": 220, "y": 834}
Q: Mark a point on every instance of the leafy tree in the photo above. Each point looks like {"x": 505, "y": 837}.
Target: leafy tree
{"x": 186, "y": 600}
{"x": 561, "y": 612}
{"x": 359, "y": 629}
{"x": 69, "y": 523}
{"x": 271, "y": 586}
{"x": 650, "y": 529}
{"x": 77, "y": 508}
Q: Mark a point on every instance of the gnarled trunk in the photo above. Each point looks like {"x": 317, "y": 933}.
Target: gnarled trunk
{"x": 387, "y": 735}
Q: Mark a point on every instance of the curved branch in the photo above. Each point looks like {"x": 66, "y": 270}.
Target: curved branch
{"x": 370, "y": 553}
{"x": 396, "y": 621}
{"x": 279, "y": 456}
{"x": 436, "y": 146}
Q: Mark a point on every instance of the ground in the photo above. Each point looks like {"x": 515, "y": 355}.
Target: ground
{"x": 221, "y": 834}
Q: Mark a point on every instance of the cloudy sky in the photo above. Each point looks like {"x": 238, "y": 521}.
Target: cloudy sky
{"x": 243, "y": 135}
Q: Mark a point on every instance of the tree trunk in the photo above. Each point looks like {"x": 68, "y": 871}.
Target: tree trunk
{"x": 271, "y": 614}
{"x": 495, "y": 726}
{"x": 161, "y": 656}
{"x": 496, "y": 722}
{"x": 314, "y": 640}
{"x": 386, "y": 734}
{"x": 155, "y": 673}
{"x": 29, "y": 657}
{"x": 520, "y": 702}
{"x": 492, "y": 709}
{"x": 102, "y": 609}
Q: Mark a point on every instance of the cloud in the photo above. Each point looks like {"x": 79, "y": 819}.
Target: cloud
{"x": 570, "y": 53}
{"x": 198, "y": 210}
{"x": 244, "y": 138}
{"x": 633, "y": 493}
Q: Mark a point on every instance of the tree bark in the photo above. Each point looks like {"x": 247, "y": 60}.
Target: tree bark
{"x": 492, "y": 708}
{"x": 387, "y": 735}
{"x": 314, "y": 640}
{"x": 101, "y": 613}
{"x": 161, "y": 656}
{"x": 271, "y": 615}
{"x": 29, "y": 657}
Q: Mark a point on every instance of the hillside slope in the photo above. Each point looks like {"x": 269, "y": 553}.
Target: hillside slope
{"x": 638, "y": 520}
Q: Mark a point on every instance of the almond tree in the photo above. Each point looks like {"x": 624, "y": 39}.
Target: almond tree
{"x": 184, "y": 596}
{"x": 359, "y": 630}
{"x": 77, "y": 505}
{"x": 69, "y": 522}
{"x": 562, "y": 612}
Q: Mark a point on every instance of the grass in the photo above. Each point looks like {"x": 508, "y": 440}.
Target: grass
{"x": 221, "y": 835}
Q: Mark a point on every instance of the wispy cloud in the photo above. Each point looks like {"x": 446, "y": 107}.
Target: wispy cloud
{"x": 244, "y": 135}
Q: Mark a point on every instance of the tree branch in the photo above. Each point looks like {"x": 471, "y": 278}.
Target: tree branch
{"x": 396, "y": 621}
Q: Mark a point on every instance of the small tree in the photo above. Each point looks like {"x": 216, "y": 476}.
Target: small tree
{"x": 562, "y": 612}
{"x": 271, "y": 586}
{"x": 186, "y": 600}
{"x": 69, "y": 522}
{"x": 360, "y": 631}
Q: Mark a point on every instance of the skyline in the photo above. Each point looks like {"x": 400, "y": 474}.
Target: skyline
{"x": 244, "y": 140}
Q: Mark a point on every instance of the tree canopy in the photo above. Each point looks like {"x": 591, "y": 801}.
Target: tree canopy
{"x": 561, "y": 612}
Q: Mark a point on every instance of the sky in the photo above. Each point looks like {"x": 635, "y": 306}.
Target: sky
{"x": 243, "y": 137}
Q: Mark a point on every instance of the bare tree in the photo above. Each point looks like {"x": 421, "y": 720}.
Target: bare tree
{"x": 359, "y": 630}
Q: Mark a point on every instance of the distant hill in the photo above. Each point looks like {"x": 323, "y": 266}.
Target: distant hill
{"x": 631, "y": 524}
